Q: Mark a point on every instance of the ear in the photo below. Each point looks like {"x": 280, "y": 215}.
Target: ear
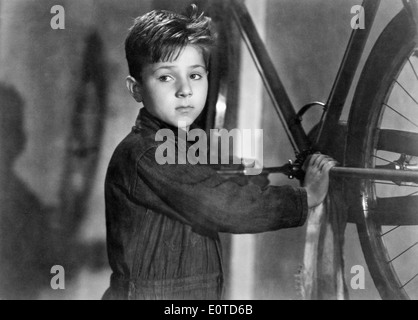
{"x": 134, "y": 88}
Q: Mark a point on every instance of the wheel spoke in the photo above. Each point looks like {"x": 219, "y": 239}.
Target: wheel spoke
{"x": 406, "y": 92}
{"x": 403, "y": 252}
{"x": 383, "y": 159}
{"x": 396, "y": 211}
{"x": 387, "y": 232}
{"x": 413, "y": 68}
{"x": 409, "y": 281}
{"x": 400, "y": 114}
{"x": 402, "y": 142}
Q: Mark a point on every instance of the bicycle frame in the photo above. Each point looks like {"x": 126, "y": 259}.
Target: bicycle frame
{"x": 334, "y": 106}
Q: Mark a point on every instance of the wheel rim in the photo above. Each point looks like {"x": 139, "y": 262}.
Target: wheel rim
{"x": 390, "y": 207}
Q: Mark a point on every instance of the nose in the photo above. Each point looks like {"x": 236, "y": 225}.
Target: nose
{"x": 184, "y": 89}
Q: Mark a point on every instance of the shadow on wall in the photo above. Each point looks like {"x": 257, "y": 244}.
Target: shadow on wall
{"x": 33, "y": 237}
{"x": 24, "y": 235}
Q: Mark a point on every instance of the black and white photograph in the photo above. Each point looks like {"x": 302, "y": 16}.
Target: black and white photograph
{"x": 221, "y": 151}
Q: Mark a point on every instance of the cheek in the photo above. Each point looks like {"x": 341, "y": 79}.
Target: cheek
{"x": 156, "y": 95}
{"x": 203, "y": 90}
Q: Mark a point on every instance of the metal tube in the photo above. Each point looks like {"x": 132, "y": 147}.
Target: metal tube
{"x": 353, "y": 173}
{"x": 271, "y": 79}
{"x": 345, "y": 77}
{"x": 375, "y": 174}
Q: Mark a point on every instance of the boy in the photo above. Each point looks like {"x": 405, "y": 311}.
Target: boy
{"x": 163, "y": 220}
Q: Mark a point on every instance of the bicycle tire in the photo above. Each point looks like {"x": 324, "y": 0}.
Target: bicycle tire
{"x": 387, "y": 59}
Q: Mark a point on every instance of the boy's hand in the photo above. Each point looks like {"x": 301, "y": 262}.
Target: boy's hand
{"x": 316, "y": 181}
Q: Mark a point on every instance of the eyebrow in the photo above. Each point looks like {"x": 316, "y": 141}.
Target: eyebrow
{"x": 170, "y": 67}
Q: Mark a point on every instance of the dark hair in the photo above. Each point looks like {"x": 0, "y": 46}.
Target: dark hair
{"x": 161, "y": 35}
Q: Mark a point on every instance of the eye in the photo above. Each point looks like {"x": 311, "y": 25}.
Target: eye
{"x": 165, "y": 78}
{"x": 196, "y": 76}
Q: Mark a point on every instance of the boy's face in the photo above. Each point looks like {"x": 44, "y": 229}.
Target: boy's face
{"x": 176, "y": 91}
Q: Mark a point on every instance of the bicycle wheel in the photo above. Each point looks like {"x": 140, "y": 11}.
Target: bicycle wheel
{"x": 383, "y": 132}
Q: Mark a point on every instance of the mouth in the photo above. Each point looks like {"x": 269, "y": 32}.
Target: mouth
{"x": 184, "y": 109}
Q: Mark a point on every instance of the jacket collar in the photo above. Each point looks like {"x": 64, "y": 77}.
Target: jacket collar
{"x": 147, "y": 120}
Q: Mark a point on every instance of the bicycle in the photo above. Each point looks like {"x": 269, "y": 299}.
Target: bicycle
{"x": 381, "y": 154}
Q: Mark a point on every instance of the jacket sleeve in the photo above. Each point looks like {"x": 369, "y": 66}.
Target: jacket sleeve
{"x": 208, "y": 201}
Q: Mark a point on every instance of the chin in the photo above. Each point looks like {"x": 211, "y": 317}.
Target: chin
{"x": 184, "y": 122}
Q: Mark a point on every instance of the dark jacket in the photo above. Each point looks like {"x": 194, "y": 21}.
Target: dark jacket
{"x": 163, "y": 220}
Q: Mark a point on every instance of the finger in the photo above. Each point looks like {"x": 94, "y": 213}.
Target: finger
{"x": 312, "y": 159}
{"x": 318, "y": 160}
{"x": 329, "y": 166}
{"x": 322, "y": 164}
{"x": 325, "y": 161}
